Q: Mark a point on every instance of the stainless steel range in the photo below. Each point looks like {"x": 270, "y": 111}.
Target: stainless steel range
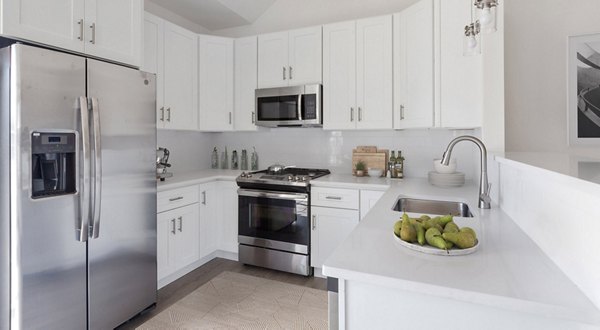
{"x": 273, "y": 221}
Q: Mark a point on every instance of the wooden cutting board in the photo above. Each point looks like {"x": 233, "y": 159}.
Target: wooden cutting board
{"x": 371, "y": 159}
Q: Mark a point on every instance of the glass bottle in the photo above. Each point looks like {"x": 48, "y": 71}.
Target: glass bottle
{"x": 244, "y": 161}
{"x": 224, "y": 160}
{"x": 391, "y": 163}
{"x": 254, "y": 160}
{"x": 399, "y": 165}
{"x": 234, "y": 160}
{"x": 214, "y": 160}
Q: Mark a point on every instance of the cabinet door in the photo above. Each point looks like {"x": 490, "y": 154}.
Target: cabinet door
{"x": 460, "y": 106}
{"x": 374, "y": 72}
{"x": 114, "y": 30}
{"x": 273, "y": 60}
{"x": 330, "y": 228}
{"x": 305, "y": 56}
{"x": 215, "y": 56}
{"x": 187, "y": 247}
{"x": 339, "y": 76}
{"x": 153, "y": 60}
{"x": 368, "y": 198}
{"x": 58, "y": 23}
{"x": 209, "y": 219}
{"x": 413, "y": 67}
{"x": 229, "y": 218}
{"x": 246, "y": 70}
{"x": 165, "y": 252}
{"x": 180, "y": 78}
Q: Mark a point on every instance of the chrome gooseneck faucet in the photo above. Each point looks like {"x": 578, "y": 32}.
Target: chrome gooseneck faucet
{"x": 484, "y": 187}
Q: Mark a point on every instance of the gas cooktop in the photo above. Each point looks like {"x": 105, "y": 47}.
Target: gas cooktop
{"x": 291, "y": 176}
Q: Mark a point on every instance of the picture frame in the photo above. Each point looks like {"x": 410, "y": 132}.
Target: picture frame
{"x": 584, "y": 90}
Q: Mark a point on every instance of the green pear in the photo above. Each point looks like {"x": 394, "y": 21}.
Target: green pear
{"x": 420, "y": 233}
{"x": 445, "y": 219}
{"x": 469, "y": 230}
{"x": 397, "y": 227}
{"x": 434, "y": 238}
{"x": 463, "y": 240}
{"x": 425, "y": 217}
{"x": 451, "y": 227}
{"x": 408, "y": 233}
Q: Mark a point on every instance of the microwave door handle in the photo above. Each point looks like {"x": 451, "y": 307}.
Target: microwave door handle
{"x": 300, "y": 107}
{"x": 84, "y": 177}
{"x": 97, "y": 169}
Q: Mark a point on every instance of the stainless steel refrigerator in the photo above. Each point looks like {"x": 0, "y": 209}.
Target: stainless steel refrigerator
{"x": 77, "y": 191}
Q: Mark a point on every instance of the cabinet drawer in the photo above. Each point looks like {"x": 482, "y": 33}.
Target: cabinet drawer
{"x": 171, "y": 199}
{"x": 333, "y": 197}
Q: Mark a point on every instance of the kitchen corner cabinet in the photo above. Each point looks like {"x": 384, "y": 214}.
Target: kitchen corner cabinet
{"x": 177, "y": 239}
{"x": 290, "y": 58}
{"x": 357, "y": 74}
{"x": 414, "y": 66}
{"x": 245, "y": 68}
{"x": 215, "y": 57}
{"x": 172, "y": 53}
{"x": 110, "y": 29}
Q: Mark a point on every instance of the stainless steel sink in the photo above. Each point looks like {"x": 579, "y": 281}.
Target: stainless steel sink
{"x": 432, "y": 207}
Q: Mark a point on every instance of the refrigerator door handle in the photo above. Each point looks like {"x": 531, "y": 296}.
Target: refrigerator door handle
{"x": 84, "y": 177}
{"x": 97, "y": 200}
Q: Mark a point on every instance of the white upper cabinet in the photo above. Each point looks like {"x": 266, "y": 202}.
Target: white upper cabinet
{"x": 115, "y": 29}
{"x": 246, "y": 68}
{"x": 109, "y": 29}
{"x": 289, "y": 58}
{"x": 339, "y": 75}
{"x": 414, "y": 67}
{"x": 215, "y": 57}
{"x": 358, "y": 78}
{"x": 461, "y": 77}
{"x": 374, "y": 76}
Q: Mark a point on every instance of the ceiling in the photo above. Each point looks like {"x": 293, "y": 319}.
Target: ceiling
{"x": 217, "y": 14}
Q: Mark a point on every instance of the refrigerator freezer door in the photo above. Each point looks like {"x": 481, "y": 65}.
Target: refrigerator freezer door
{"x": 122, "y": 259}
{"x": 48, "y": 262}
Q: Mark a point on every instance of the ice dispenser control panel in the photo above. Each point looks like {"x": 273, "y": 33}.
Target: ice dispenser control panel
{"x": 53, "y": 162}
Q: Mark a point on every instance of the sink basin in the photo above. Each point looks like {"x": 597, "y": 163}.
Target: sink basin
{"x": 432, "y": 207}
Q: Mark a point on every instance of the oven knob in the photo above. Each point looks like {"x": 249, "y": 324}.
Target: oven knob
{"x": 297, "y": 178}
{"x": 304, "y": 178}
{"x": 243, "y": 175}
{"x": 290, "y": 178}
{"x": 249, "y": 175}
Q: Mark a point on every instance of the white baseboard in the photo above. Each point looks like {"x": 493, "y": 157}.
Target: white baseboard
{"x": 318, "y": 272}
{"x": 182, "y": 272}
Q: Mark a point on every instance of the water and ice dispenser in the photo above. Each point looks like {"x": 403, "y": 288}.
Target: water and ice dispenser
{"x": 53, "y": 164}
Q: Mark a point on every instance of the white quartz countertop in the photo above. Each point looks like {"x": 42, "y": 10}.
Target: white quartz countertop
{"x": 508, "y": 271}
{"x": 182, "y": 179}
{"x": 352, "y": 182}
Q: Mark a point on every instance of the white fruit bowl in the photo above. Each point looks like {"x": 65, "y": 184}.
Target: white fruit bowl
{"x": 375, "y": 172}
{"x": 444, "y": 169}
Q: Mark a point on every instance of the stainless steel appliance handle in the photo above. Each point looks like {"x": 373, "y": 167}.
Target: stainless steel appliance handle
{"x": 180, "y": 224}
{"x": 97, "y": 200}
{"x": 84, "y": 177}
{"x": 80, "y": 29}
{"x": 299, "y": 109}
{"x": 173, "y": 231}
{"x": 273, "y": 195}
{"x": 93, "y": 27}
{"x": 314, "y": 222}
{"x": 284, "y": 73}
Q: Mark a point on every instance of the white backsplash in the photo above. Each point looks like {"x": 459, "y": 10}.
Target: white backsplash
{"x": 189, "y": 150}
{"x": 316, "y": 148}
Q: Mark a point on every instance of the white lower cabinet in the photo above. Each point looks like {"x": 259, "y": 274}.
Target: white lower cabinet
{"x": 209, "y": 219}
{"x": 368, "y": 198}
{"x": 228, "y": 206}
{"x": 330, "y": 227}
{"x": 177, "y": 239}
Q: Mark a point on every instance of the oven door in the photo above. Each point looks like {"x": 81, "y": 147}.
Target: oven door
{"x": 274, "y": 220}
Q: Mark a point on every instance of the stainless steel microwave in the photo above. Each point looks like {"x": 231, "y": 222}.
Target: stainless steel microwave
{"x": 295, "y": 106}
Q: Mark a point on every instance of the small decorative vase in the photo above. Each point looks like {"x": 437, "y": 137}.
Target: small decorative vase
{"x": 360, "y": 173}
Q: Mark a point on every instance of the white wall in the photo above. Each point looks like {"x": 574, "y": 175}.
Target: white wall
{"x": 536, "y": 69}
{"x": 291, "y": 14}
{"x": 189, "y": 150}
{"x": 161, "y": 12}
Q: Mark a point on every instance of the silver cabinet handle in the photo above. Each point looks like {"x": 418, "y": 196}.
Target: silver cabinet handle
{"x": 173, "y": 230}
{"x": 284, "y": 73}
{"x": 253, "y": 116}
{"x": 93, "y": 27}
{"x": 175, "y": 199}
{"x": 180, "y": 224}
{"x": 204, "y": 197}
{"x": 314, "y": 222}
{"x": 80, "y": 29}
{"x": 335, "y": 198}
{"x": 359, "y": 114}
{"x": 402, "y": 112}
{"x": 229, "y": 118}
{"x": 351, "y": 114}
{"x": 169, "y": 114}
{"x": 97, "y": 200}
{"x": 162, "y": 113}
{"x": 291, "y": 73}
{"x": 85, "y": 175}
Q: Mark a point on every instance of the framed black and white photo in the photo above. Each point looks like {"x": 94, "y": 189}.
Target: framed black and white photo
{"x": 584, "y": 90}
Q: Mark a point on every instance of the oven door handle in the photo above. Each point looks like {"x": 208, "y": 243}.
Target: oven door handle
{"x": 273, "y": 195}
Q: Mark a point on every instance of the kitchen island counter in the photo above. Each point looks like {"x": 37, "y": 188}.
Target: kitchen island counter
{"x": 509, "y": 275}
